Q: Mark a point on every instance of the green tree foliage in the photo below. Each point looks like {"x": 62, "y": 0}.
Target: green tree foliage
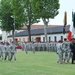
{"x": 17, "y": 11}
{"x": 0, "y": 37}
{"x": 45, "y": 9}
{"x": 9, "y": 22}
{"x": 5, "y": 15}
{"x": 22, "y": 10}
{"x": 30, "y": 17}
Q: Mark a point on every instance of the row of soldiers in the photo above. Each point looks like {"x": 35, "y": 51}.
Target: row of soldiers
{"x": 61, "y": 48}
{"x": 39, "y": 46}
{"x": 8, "y": 51}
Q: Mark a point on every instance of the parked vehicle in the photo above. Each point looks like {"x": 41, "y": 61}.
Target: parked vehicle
{"x": 19, "y": 46}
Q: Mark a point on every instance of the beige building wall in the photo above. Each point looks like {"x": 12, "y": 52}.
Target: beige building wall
{"x": 4, "y": 36}
{"x": 40, "y": 38}
{"x": 24, "y": 38}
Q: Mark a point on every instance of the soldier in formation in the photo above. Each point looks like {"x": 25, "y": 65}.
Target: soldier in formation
{"x": 30, "y": 46}
{"x": 61, "y": 48}
{"x": 64, "y": 52}
{"x": 2, "y": 52}
{"x": 13, "y": 51}
{"x": 72, "y": 46}
{"x": 8, "y": 51}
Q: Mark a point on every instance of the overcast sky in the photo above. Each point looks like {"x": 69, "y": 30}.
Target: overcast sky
{"x": 65, "y": 5}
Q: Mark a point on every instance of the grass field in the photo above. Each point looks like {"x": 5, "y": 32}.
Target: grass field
{"x": 40, "y": 63}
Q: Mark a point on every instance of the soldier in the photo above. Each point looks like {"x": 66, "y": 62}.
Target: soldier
{"x": 7, "y": 51}
{"x": 72, "y": 46}
{"x": 36, "y": 46}
{"x": 23, "y": 46}
{"x": 33, "y": 47}
{"x": 26, "y": 47}
{"x": 66, "y": 51}
{"x": 13, "y": 51}
{"x": 59, "y": 52}
{"x": 2, "y": 50}
{"x": 63, "y": 51}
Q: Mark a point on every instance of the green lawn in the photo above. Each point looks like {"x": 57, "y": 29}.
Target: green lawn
{"x": 40, "y": 63}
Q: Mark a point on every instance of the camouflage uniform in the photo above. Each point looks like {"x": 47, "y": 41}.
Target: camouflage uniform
{"x": 2, "y": 52}
{"x": 60, "y": 53}
{"x": 64, "y": 52}
{"x": 7, "y": 52}
{"x": 13, "y": 51}
{"x": 26, "y": 48}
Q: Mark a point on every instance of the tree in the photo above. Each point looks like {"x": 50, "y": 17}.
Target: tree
{"x": 45, "y": 9}
{"x": 17, "y": 14}
{"x": 0, "y": 37}
{"x": 7, "y": 21}
{"x": 5, "y": 15}
{"x": 27, "y": 14}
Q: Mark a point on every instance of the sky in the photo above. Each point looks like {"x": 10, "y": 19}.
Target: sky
{"x": 65, "y": 5}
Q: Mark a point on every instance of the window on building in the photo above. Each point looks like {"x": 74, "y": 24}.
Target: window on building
{"x": 43, "y": 39}
{"x": 20, "y": 39}
{"x": 15, "y": 32}
{"x": 55, "y": 38}
{"x": 28, "y": 40}
{"x": 23, "y": 39}
{"x": 10, "y": 40}
{"x": 62, "y": 38}
{"x": 49, "y": 39}
{"x": 32, "y": 39}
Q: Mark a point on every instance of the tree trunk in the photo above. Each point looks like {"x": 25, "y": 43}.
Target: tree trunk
{"x": 45, "y": 32}
{"x": 13, "y": 36}
{"x": 45, "y": 21}
{"x": 29, "y": 33}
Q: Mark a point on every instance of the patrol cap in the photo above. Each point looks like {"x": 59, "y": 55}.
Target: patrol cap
{"x": 73, "y": 38}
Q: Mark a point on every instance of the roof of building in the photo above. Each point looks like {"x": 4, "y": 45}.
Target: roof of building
{"x": 38, "y": 26}
{"x": 40, "y": 31}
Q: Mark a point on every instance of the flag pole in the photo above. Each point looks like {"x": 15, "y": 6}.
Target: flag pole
{"x": 65, "y": 23}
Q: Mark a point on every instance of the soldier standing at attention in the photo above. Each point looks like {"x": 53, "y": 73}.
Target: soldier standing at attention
{"x": 72, "y": 46}
{"x": 67, "y": 51}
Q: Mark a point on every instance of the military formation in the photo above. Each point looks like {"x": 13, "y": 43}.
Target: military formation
{"x": 8, "y": 51}
{"x": 62, "y": 49}
{"x": 39, "y": 46}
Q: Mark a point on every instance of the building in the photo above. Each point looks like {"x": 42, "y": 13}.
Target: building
{"x": 55, "y": 33}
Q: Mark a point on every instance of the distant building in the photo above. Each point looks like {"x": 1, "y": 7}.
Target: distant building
{"x": 55, "y": 33}
{"x": 6, "y": 34}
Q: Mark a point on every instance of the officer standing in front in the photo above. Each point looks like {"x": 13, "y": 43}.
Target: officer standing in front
{"x": 72, "y": 46}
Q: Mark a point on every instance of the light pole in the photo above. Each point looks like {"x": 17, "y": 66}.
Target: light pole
{"x": 14, "y": 28}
